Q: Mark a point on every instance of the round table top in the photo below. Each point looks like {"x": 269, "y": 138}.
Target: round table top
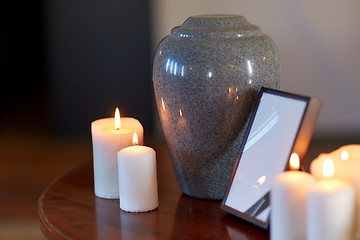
{"x": 68, "y": 209}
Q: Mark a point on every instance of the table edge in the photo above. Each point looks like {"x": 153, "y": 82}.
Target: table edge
{"x": 47, "y": 228}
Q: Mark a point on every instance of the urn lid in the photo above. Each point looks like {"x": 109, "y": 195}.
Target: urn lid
{"x": 216, "y": 26}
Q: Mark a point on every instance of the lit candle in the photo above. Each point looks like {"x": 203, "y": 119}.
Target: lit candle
{"x": 288, "y": 202}
{"x": 346, "y": 167}
{"x": 345, "y": 164}
{"x": 331, "y": 206}
{"x": 109, "y": 135}
{"x": 137, "y": 178}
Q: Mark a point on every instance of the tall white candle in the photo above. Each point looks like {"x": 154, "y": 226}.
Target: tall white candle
{"x": 288, "y": 204}
{"x": 346, "y": 161}
{"x": 331, "y": 207}
{"x": 107, "y": 140}
{"x": 137, "y": 179}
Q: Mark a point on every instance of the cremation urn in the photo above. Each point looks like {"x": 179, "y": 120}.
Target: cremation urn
{"x": 206, "y": 77}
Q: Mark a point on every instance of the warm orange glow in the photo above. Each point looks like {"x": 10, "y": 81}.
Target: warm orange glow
{"x": 117, "y": 119}
{"x": 163, "y": 104}
{"x": 294, "y": 162}
{"x": 180, "y": 112}
{"x": 328, "y": 168}
{"x": 135, "y": 139}
{"x": 344, "y": 155}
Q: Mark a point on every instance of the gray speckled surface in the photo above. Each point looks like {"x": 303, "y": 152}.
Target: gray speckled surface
{"x": 206, "y": 76}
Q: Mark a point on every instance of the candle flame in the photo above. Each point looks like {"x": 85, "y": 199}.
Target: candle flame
{"x": 344, "y": 155}
{"x": 294, "y": 162}
{"x": 180, "y": 112}
{"x": 135, "y": 139}
{"x": 328, "y": 168}
{"x": 117, "y": 119}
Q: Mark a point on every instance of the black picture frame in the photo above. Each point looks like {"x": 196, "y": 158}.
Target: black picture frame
{"x": 295, "y": 133}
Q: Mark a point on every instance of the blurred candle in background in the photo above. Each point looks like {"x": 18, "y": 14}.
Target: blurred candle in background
{"x": 346, "y": 160}
{"x": 109, "y": 135}
{"x": 345, "y": 165}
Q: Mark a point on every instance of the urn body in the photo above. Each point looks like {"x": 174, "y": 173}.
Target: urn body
{"x": 206, "y": 76}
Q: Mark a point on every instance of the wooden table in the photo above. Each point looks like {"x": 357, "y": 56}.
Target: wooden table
{"x": 68, "y": 209}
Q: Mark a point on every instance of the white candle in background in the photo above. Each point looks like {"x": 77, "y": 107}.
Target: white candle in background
{"x": 331, "y": 208}
{"x": 137, "y": 178}
{"x": 344, "y": 167}
{"x": 346, "y": 164}
{"x": 288, "y": 203}
{"x": 108, "y": 137}
{"x": 347, "y": 168}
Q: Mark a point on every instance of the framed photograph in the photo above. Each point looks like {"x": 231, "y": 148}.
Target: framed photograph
{"x": 282, "y": 123}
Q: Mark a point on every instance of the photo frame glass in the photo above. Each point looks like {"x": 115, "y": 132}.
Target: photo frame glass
{"x": 265, "y": 152}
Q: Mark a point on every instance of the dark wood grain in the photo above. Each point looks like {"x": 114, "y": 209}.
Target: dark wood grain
{"x": 68, "y": 209}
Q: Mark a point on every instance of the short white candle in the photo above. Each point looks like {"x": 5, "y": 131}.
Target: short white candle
{"x": 288, "y": 205}
{"x": 137, "y": 179}
{"x": 331, "y": 208}
{"x": 107, "y": 140}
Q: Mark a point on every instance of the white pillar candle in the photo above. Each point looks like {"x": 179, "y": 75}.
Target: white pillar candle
{"x": 288, "y": 205}
{"x": 346, "y": 161}
{"x": 331, "y": 208}
{"x": 330, "y": 213}
{"x": 345, "y": 170}
{"x": 137, "y": 179}
{"x": 107, "y": 140}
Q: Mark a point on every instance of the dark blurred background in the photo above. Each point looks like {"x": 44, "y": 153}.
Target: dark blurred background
{"x": 23, "y": 88}
{"x": 65, "y": 64}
